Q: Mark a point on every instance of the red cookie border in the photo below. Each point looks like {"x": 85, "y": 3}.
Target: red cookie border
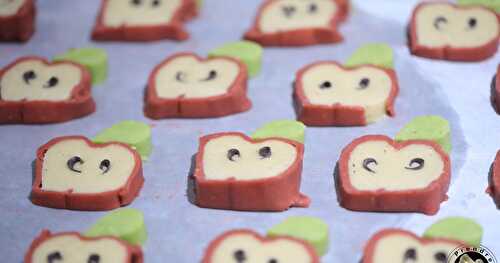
{"x": 134, "y": 252}
{"x": 495, "y": 91}
{"x": 494, "y": 180}
{"x": 300, "y": 37}
{"x": 232, "y": 102}
{"x": 20, "y": 26}
{"x": 86, "y": 202}
{"x": 42, "y": 111}
{"x": 337, "y": 114}
{"x": 215, "y": 243}
{"x": 270, "y": 194}
{"x": 173, "y": 30}
{"x": 448, "y": 52}
{"x": 370, "y": 246}
{"x": 427, "y": 200}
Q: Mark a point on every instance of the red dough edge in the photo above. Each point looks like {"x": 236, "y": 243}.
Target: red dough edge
{"x": 300, "y": 37}
{"x": 425, "y": 200}
{"x": 494, "y": 180}
{"x": 277, "y": 193}
{"x": 80, "y": 104}
{"x": 449, "y": 52}
{"x": 234, "y": 101}
{"x": 173, "y": 30}
{"x": 87, "y": 202}
{"x": 215, "y": 243}
{"x": 369, "y": 251}
{"x": 495, "y": 91}
{"x": 337, "y": 114}
{"x": 134, "y": 252}
{"x": 20, "y": 26}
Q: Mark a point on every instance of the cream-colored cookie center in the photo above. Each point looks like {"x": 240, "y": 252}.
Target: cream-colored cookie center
{"x": 69, "y": 248}
{"x": 366, "y": 87}
{"x": 32, "y": 80}
{"x": 10, "y": 7}
{"x": 255, "y": 251}
{"x": 377, "y": 165}
{"x": 403, "y": 248}
{"x": 233, "y": 157}
{"x": 285, "y": 15}
{"x": 140, "y": 12}
{"x": 100, "y": 169}
{"x": 187, "y": 77}
{"x": 440, "y": 24}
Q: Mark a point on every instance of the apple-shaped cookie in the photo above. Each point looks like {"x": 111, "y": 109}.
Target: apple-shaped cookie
{"x": 73, "y": 173}
{"x": 143, "y": 20}
{"x": 246, "y": 246}
{"x": 328, "y": 94}
{"x": 396, "y": 245}
{"x": 375, "y": 173}
{"x": 298, "y": 22}
{"x": 33, "y": 90}
{"x": 450, "y": 32}
{"x": 236, "y": 172}
{"x": 495, "y": 91}
{"x": 17, "y": 20}
{"x": 494, "y": 180}
{"x": 187, "y": 86}
{"x": 72, "y": 247}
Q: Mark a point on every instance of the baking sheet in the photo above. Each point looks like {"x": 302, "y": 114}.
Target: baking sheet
{"x": 180, "y": 231}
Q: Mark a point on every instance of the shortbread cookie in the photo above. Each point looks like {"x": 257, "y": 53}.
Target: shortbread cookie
{"x": 33, "y": 90}
{"x": 451, "y": 32}
{"x": 375, "y": 173}
{"x": 187, "y": 86}
{"x": 143, "y": 20}
{"x": 238, "y": 173}
{"x": 396, "y": 245}
{"x": 298, "y": 23}
{"x": 495, "y": 91}
{"x": 328, "y": 94}
{"x": 17, "y": 20}
{"x": 72, "y": 247}
{"x": 74, "y": 173}
{"x": 245, "y": 246}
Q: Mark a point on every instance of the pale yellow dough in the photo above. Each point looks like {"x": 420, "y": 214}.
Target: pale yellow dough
{"x": 345, "y": 88}
{"x": 250, "y": 165}
{"x": 273, "y": 18}
{"x": 13, "y": 87}
{"x": 193, "y": 73}
{"x": 390, "y": 172}
{"x": 392, "y": 248}
{"x": 10, "y": 7}
{"x": 56, "y": 176}
{"x": 456, "y": 32}
{"x": 256, "y": 252}
{"x": 124, "y": 13}
{"x": 72, "y": 249}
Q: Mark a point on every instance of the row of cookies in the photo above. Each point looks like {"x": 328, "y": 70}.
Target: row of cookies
{"x": 260, "y": 172}
{"x": 185, "y": 85}
{"x": 468, "y": 31}
{"x": 118, "y": 237}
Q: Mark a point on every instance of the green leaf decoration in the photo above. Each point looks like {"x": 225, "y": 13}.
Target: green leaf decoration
{"x": 375, "y": 54}
{"x": 126, "y": 224}
{"x": 293, "y": 130}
